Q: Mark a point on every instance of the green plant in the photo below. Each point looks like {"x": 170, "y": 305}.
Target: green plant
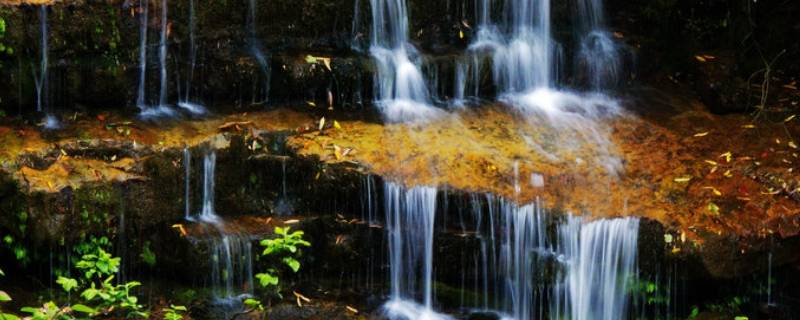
{"x": 48, "y": 311}
{"x": 147, "y": 255}
{"x": 254, "y": 304}
{"x": 101, "y": 295}
{"x": 174, "y": 312}
{"x": 285, "y": 248}
{"x": 4, "y": 48}
{"x": 4, "y": 297}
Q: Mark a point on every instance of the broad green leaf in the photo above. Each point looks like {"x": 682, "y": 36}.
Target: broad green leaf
{"x": 67, "y": 283}
{"x": 83, "y": 308}
{"x": 266, "y": 279}
{"x": 8, "y": 316}
{"x": 292, "y": 263}
{"x": 4, "y": 297}
{"x": 29, "y": 309}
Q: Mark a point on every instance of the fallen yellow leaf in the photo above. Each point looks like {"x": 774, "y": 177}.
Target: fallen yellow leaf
{"x": 714, "y": 191}
{"x": 337, "y": 152}
{"x": 180, "y": 228}
{"x": 701, "y": 134}
{"x": 683, "y": 179}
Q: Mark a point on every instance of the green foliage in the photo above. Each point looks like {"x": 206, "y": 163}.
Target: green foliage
{"x": 147, "y": 255}
{"x": 4, "y": 48}
{"x": 284, "y": 250}
{"x": 99, "y": 293}
{"x": 4, "y": 297}
{"x": 98, "y": 268}
{"x": 99, "y": 264}
{"x": 254, "y": 304}
{"x": 651, "y": 293}
{"x": 19, "y": 250}
{"x": 48, "y": 311}
{"x": 67, "y": 284}
{"x": 174, "y": 312}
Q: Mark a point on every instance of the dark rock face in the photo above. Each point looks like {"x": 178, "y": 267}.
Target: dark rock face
{"x": 720, "y": 88}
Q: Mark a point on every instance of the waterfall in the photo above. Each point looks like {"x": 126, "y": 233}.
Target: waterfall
{"x": 599, "y": 257}
{"x": 459, "y": 84}
{"x": 283, "y": 206}
{"x": 597, "y": 58}
{"x": 402, "y": 94}
{"x": 192, "y": 50}
{"x": 520, "y": 258}
{"x": 410, "y": 217}
{"x": 230, "y": 250}
{"x": 140, "y": 98}
{"x": 258, "y": 52}
{"x": 522, "y": 55}
{"x": 368, "y": 200}
{"x": 187, "y": 165}
{"x": 162, "y": 110}
{"x": 231, "y": 266}
{"x": 41, "y": 79}
{"x": 162, "y": 55}
{"x": 524, "y": 271}
{"x": 184, "y": 103}
{"x": 208, "y": 214}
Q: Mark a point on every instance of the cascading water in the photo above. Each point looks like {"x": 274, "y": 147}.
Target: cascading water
{"x": 581, "y": 273}
{"x": 162, "y": 55}
{"x": 207, "y": 213}
{"x": 143, "y": 21}
{"x": 231, "y": 266}
{"x": 162, "y": 109}
{"x": 599, "y": 262}
{"x": 522, "y": 56}
{"x": 597, "y": 59}
{"x": 410, "y": 217}
{"x": 230, "y": 251}
{"x": 402, "y": 94}
{"x": 283, "y": 206}
{"x": 258, "y": 53}
{"x": 185, "y": 103}
{"x": 41, "y": 80}
{"x": 187, "y": 165}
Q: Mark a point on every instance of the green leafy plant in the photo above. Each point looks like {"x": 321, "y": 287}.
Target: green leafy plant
{"x": 174, "y": 312}
{"x": 285, "y": 248}
{"x": 254, "y": 304}
{"x": 4, "y": 297}
{"x": 148, "y": 256}
{"x": 4, "y": 48}
{"x": 96, "y": 286}
{"x": 48, "y": 311}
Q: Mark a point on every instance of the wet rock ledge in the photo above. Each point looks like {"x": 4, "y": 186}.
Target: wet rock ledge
{"x": 106, "y": 171}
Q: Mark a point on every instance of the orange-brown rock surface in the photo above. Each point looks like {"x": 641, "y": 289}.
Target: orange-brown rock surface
{"x": 693, "y": 171}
